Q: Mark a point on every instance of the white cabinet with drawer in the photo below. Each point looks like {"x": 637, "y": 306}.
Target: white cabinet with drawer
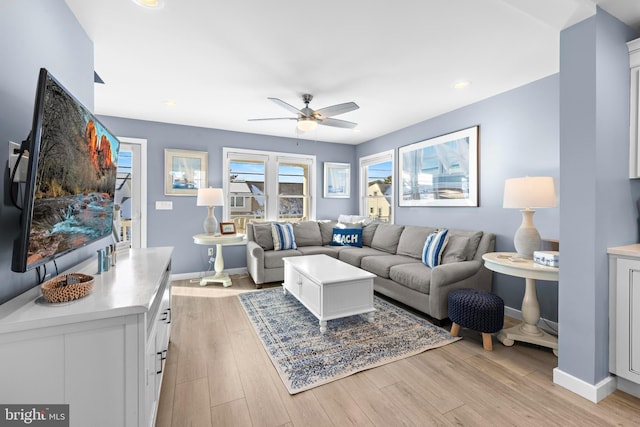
{"x": 103, "y": 354}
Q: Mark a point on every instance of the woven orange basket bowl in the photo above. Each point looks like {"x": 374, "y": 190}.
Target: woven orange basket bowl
{"x": 67, "y": 287}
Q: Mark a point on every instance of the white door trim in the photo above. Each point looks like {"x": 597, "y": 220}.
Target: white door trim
{"x": 143, "y": 185}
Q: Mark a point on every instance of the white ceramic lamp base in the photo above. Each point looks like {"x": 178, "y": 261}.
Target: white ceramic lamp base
{"x": 210, "y": 222}
{"x": 527, "y": 239}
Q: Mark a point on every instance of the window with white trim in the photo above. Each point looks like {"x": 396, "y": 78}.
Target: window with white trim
{"x": 268, "y": 186}
{"x": 376, "y": 186}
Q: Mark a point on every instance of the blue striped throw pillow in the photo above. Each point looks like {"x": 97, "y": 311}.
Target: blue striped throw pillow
{"x": 434, "y": 246}
{"x": 283, "y": 237}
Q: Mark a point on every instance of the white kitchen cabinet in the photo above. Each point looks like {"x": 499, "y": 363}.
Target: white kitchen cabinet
{"x": 102, "y": 354}
{"x": 624, "y": 317}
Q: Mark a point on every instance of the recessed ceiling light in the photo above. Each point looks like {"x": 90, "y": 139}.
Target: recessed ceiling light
{"x": 169, "y": 103}
{"x": 150, "y": 4}
{"x": 461, "y": 84}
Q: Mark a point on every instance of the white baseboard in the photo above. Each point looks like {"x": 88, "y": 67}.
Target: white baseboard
{"x": 592, "y": 392}
{"x": 199, "y": 274}
{"x": 547, "y": 325}
{"x": 628, "y": 387}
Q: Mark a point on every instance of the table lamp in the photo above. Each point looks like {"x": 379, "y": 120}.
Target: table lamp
{"x": 210, "y": 197}
{"x": 527, "y": 193}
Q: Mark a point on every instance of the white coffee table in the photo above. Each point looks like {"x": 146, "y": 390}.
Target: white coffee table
{"x": 329, "y": 288}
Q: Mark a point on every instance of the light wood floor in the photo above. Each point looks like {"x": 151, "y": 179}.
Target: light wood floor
{"x": 218, "y": 374}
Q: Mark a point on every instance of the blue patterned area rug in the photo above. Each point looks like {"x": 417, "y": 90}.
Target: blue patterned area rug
{"x": 305, "y": 358}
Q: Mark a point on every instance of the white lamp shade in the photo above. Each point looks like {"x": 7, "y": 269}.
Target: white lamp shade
{"x": 306, "y": 125}
{"x": 210, "y": 197}
{"x": 529, "y": 192}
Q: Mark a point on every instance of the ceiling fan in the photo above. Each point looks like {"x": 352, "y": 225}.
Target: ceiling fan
{"x": 308, "y": 119}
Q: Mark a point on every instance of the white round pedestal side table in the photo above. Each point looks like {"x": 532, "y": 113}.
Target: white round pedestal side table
{"x": 528, "y": 330}
{"x": 219, "y": 240}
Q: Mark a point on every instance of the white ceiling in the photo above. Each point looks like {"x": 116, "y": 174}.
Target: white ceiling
{"x": 220, "y": 60}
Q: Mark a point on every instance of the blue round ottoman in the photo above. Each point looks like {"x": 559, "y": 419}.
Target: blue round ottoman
{"x": 478, "y": 310}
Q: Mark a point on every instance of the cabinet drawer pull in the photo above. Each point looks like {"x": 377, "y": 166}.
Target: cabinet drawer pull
{"x": 164, "y": 355}
{"x": 169, "y": 318}
{"x": 160, "y": 360}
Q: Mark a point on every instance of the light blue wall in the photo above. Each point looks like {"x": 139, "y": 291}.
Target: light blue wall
{"x": 34, "y": 34}
{"x": 176, "y": 227}
{"x": 598, "y": 200}
{"x": 518, "y": 137}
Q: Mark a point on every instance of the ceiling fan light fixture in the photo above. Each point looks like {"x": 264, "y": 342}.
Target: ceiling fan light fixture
{"x": 150, "y": 4}
{"x": 461, "y": 84}
{"x": 306, "y": 124}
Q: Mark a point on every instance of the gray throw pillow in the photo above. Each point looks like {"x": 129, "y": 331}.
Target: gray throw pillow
{"x": 458, "y": 238}
{"x": 263, "y": 236}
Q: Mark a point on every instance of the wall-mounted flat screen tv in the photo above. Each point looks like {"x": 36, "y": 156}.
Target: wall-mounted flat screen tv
{"x": 68, "y": 201}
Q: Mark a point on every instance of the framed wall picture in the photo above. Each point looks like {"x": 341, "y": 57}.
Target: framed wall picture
{"x": 184, "y": 172}
{"x": 441, "y": 171}
{"x": 227, "y": 228}
{"x": 337, "y": 180}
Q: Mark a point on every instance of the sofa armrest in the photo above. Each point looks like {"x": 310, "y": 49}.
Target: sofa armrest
{"x": 449, "y": 277}
{"x": 255, "y": 249}
{"x": 444, "y": 274}
{"x": 255, "y": 262}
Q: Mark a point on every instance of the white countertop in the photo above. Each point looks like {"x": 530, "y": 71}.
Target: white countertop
{"x": 127, "y": 288}
{"x": 628, "y": 250}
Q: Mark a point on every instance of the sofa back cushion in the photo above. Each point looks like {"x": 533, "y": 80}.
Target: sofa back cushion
{"x": 462, "y": 246}
{"x": 307, "y": 233}
{"x": 386, "y": 237}
{"x": 326, "y": 231}
{"x": 368, "y": 231}
{"x": 262, "y": 235}
{"x": 412, "y": 240}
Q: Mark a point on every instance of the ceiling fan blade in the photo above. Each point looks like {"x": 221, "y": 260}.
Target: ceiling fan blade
{"x": 334, "y": 110}
{"x": 287, "y": 106}
{"x": 274, "y": 118}
{"x": 337, "y": 123}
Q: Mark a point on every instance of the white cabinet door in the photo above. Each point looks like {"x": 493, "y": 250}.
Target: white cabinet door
{"x": 627, "y": 314}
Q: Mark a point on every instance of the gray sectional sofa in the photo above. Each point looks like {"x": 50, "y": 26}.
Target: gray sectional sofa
{"x": 392, "y": 252}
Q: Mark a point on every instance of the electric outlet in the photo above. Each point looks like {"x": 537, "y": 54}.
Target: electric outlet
{"x": 210, "y": 252}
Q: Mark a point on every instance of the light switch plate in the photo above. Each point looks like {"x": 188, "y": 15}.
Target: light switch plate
{"x": 163, "y": 205}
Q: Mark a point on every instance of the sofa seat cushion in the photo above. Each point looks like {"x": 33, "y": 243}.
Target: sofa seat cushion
{"x": 273, "y": 259}
{"x": 317, "y": 250}
{"x": 352, "y": 255}
{"x": 416, "y": 276}
{"x": 381, "y": 264}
